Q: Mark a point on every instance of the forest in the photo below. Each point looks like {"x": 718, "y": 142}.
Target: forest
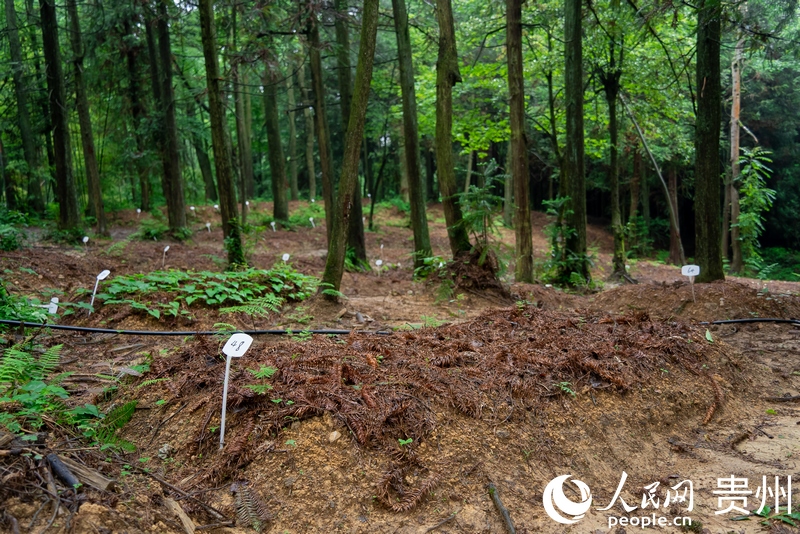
{"x": 675, "y": 124}
{"x": 408, "y": 266}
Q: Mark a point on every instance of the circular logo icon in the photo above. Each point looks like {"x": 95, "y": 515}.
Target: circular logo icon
{"x": 557, "y": 505}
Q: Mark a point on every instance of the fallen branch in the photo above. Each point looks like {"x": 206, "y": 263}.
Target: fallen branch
{"x": 795, "y": 398}
{"x": 188, "y": 524}
{"x": 502, "y": 509}
{"x": 442, "y": 522}
{"x": 62, "y": 471}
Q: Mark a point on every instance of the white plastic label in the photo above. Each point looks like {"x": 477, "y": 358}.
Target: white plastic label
{"x": 285, "y": 258}
{"x": 103, "y": 275}
{"x": 690, "y": 270}
{"x": 237, "y": 345}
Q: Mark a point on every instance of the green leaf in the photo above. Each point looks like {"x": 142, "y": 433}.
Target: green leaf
{"x": 708, "y": 336}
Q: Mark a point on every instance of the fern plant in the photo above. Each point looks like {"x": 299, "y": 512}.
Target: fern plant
{"x": 26, "y": 392}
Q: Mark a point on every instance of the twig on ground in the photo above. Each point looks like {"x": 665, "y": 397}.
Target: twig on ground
{"x": 210, "y": 509}
{"x": 502, "y": 509}
{"x": 443, "y": 522}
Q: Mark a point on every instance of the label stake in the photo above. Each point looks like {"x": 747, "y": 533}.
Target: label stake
{"x": 236, "y": 346}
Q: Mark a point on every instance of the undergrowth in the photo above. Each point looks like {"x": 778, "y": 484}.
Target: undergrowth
{"x": 252, "y": 291}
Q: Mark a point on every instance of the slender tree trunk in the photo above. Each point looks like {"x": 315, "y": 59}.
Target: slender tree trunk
{"x": 292, "y": 139}
{"x": 155, "y": 85}
{"x": 96, "y": 208}
{"x": 277, "y": 162}
{"x": 334, "y": 265}
{"x": 355, "y": 232}
{"x": 737, "y": 264}
{"x": 321, "y": 123}
{"x": 523, "y": 271}
{"x": 137, "y": 114}
{"x": 23, "y": 115}
{"x": 176, "y": 206}
{"x": 447, "y": 75}
{"x": 610, "y": 82}
{"x": 674, "y": 234}
{"x": 508, "y": 192}
{"x": 574, "y": 159}
{"x": 309, "y": 117}
{"x": 222, "y": 158}
{"x": 243, "y": 138}
{"x": 468, "y": 178}
{"x": 708, "y": 211}
{"x": 203, "y": 161}
{"x": 645, "y": 193}
{"x": 428, "y": 150}
{"x": 636, "y": 182}
{"x": 41, "y": 99}
{"x": 69, "y": 218}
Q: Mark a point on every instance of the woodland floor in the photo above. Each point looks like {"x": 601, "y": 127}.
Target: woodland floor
{"x": 512, "y": 392}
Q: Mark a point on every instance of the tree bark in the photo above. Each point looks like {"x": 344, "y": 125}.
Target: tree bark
{"x": 447, "y": 75}
{"x": 508, "y": 192}
{"x": 292, "y": 139}
{"x": 737, "y": 262}
{"x": 96, "y": 208}
{"x": 416, "y": 191}
{"x": 277, "y": 162}
{"x": 321, "y": 123}
{"x": 309, "y": 117}
{"x": 355, "y": 232}
{"x": 137, "y": 115}
{"x": 334, "y": 265}
{"x": 674, "y": 233}
{"x": 523, "y": 271}
{"x": 222, "y": 158}
{"x": 176, "y": 206}
{"x": 428, "y": 150}
{"x": 41, "y": 98}
{"x": 708, "y": 225}
{"x": 23, "y": 115}
{"x": 68, "y": 218}
{"x": 243, "y": 140}
{"x": 574, "y": 175}
{"x": 610, "y": 78}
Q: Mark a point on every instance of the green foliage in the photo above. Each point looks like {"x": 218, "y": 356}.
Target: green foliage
{"x": 263, "y": 373}
{"x": 27, "y": 389}
{"x": 434, "y": 270}
{"x": 20, "y": 309}
{"x": 301, "y": 216}
{"x": 481, "y": 207}
{"x": 154, "y": 228}
{"x": 562, "y": 267}
{"x": 755, "y": 199}
{"x": 11, "y": 238}
{"x": 785, "y": 263}
{"x": 254, "y": 291}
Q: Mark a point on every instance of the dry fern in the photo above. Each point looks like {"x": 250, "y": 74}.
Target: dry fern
{"x": 250, "y": 509}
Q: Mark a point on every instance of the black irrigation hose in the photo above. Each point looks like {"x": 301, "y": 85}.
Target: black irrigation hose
{"x": 167, "y": 332}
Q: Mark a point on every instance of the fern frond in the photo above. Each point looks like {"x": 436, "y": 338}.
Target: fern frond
{"x": 50, "y": 360}
{"x": 151, "y": 382}
{"x": 250, "y": 509}
{"x": 260, "y": 307}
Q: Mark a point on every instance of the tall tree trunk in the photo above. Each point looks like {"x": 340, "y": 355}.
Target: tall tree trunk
{"x": 334, "y": 265}
{"x": 292, "y": 139}
{"x": 508, "y": 192}
{"x": 137, "y": 114}
{"x": 222, "y": 157}
{"x": 737, "y": 263}
{"x": 428, "y": 149}
{"x": 355, "y": 231}
{"x": 309, "y": 117}
{"x": 155, "y": 86}
{"x": 574, "y": 176}
{"x": 203, "y": 161}
{"x": 447, "y": 75}
{"x": 23, "y": 115}
{"x": 321, "y": 123}
{"x": 243, "y": 138}
{"x": 96, "y": 208}
{"x": 41, "y": 98}
{"x": 708, "y": 211}
{"x": 610, "y": 82}
{"x": 277, "y": 163}
{"x": 523, "y": 271}
{"x": 176, "y": 206}
{"x": 69, "y": 218}
{"x": 674, "y": 233}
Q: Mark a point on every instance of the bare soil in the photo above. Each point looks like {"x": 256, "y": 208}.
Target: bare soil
{"x": 508, "y": 391}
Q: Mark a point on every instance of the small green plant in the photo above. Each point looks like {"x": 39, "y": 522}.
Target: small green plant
{"x": 566, "y": 387}
{"x": 11, "y": 238}
{"x": 404, "y": 442}
{"x": 152, "y": 227}
{"x": 755, "y": 199}
{"x": 263, "y": 372}
{"x": 563, "y": 267}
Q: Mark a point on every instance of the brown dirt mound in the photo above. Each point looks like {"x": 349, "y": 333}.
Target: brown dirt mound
{"x": 385, "y": 389}
{"x": 713, "y": 302}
